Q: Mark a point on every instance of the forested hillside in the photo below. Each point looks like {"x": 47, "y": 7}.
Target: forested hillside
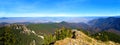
{"x": 18, "y": 34}
{"x": 107, "y": 36}
{"x": 52, "y": 27}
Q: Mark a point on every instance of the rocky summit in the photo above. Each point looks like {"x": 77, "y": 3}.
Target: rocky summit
{"x": 82, "y": 39}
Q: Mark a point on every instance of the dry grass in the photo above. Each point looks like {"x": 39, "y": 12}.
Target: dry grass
{"x": 82, "y": 39}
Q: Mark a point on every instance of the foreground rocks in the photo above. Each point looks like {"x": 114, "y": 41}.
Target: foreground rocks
{"x": 82, "y": 39}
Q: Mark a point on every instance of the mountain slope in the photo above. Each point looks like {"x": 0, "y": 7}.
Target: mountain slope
{"x": 111, "y": 24}
{"x": 51, "y": 27}
{"x": 106, "y": 23}
{"x": 105, "y": 36}
{"x": 82, "y": 39}
{"x": 19, "y": 34}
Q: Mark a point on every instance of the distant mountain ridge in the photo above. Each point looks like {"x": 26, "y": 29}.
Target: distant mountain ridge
{"x": 106, "y": 23}
{"x": 3, "y": 18}
{"x": 111, "y": 24}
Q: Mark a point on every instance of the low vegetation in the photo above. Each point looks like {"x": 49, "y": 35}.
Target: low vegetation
{"x": 44, "y": 28}
{"x": 7, "y": 37}
{"x": 107, "y": 36}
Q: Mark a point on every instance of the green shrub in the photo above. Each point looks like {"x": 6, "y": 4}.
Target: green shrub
{"x": 9, "y": 37}
{"x": 58, "y": 35}
{"x": 63, "y": 33}
{"x": 49, "y": 39}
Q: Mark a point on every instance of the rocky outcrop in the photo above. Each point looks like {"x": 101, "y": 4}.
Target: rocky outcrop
{"x": 21, "y": 27}
{"x": 24, "y": 30}
{"x": 82, "y": 39}
{"x": 25, "y": 36}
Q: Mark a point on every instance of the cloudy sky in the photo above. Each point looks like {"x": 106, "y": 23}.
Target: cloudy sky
{"x": 59, "y": 8}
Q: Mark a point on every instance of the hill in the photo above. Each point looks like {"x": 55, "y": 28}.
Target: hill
{"x": 82, "y": 39}
{"x": 18, "y": 34}
{"x": 110, "y": 24}
{"x": 52, "y": 27}
{"x": 106, "y": 23}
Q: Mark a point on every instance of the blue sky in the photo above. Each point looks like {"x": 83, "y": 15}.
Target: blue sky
{"x": 59, "y": 8}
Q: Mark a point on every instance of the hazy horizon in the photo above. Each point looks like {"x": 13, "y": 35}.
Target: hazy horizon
{"x": 46, "y": 19}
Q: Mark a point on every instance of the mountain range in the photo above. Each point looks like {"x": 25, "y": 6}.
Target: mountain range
{"x": 93, "y": 25}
